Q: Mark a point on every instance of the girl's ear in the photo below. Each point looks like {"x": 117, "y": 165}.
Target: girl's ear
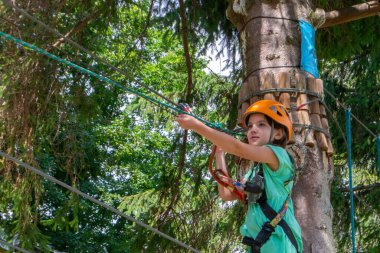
{"x": 278, "y": 133}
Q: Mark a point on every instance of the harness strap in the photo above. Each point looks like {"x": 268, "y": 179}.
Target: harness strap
{"x": 271, "y": 214}
{"x": 261, "y": 238}
{"x": 267, "y": 230}
{"x": 274, "y": 220}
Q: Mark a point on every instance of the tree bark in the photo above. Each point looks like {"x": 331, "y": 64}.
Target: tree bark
{"x": 271, "y": 50}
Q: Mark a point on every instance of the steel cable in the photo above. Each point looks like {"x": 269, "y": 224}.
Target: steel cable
{"x": 92, "y": 199}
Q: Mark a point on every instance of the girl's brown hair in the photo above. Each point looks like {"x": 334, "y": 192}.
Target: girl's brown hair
{"x": 284, "y": 140}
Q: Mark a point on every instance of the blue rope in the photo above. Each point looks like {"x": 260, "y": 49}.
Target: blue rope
{"x": 348, "y": 133}
{"x": 216, "y": 126}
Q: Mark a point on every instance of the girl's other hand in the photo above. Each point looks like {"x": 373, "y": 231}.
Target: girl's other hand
{"x": 187, "y": 121}
{"x": 219, "y": 151}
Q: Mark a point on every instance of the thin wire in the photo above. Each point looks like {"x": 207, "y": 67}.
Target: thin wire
{"x": 269, "y": 67}
{"x": 319, "y": 129}
{"x": 257, "y": 17}
{"x": 86, "y": 196}
{"x": 337, "y": 124}
{"x": 75, "y": 44}
{"x": 344, "y": 107}
{"x": 13, "y": 246}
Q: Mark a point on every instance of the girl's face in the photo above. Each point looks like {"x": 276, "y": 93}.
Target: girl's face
{"x": 259, "y": 130}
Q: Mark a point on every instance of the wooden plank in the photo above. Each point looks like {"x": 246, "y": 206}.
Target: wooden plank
{"x": 319, "y": 86}
{"x": 351, "y": 13}
{"x": 320, "y": 137}
{"x": 322, "y": 110}
{"x": 325, "y": 125}
{"x": 284, "y": 82}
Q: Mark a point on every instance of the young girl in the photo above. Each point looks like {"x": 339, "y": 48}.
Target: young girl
{"x": 268, "y": 131}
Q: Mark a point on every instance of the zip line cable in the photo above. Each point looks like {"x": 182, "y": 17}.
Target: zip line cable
{"x": 343, "y": 135}
{"x": 13, "y": 246}
{"x": 337, "y": 124}
{"x": 377, "y": 137}
{"x": 216, "y": 126}
{"x": 353, "y": 116}
{"x": 78, "y": 46}
{"x": 92, "y": 199}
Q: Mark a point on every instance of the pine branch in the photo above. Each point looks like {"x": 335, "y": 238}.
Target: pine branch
{"x": 77, "y": 28}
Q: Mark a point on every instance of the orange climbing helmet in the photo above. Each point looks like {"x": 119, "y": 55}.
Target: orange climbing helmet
{"x": 274, "y": 110}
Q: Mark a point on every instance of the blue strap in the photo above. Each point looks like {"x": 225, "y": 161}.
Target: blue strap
{"x": 308, "y": 54}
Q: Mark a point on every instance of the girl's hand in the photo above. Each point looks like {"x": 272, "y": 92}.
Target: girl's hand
{"x": 187, "y": 121}
{"x": 219, "y": 153}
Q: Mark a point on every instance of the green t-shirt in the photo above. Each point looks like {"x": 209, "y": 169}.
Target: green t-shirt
{"x": 277, "y": 190}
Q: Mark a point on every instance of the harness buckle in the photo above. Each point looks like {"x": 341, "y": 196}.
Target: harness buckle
{"x": 268, "y": 227}
{"x": 255, "y": 245}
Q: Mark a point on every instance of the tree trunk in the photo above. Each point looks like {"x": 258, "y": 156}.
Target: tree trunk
{"x": 270, "y": 43}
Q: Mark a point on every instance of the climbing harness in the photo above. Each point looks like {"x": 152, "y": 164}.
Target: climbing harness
{"x": 255, "y": 187}
{"x": 253, "y": 191}
{"x": 275, "y": 218}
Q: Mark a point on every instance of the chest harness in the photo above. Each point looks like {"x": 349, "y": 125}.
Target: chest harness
{"x": 253, "y": 191}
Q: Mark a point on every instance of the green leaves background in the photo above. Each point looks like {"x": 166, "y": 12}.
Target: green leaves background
{"x": 125, "y": 151}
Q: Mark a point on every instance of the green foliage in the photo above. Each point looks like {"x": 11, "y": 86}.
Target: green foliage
{"x": 351, "y": 74}
{"x": 125, "y": 151}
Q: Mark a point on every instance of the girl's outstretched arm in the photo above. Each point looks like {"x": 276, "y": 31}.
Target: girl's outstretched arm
{"x": 228, "y": 143}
